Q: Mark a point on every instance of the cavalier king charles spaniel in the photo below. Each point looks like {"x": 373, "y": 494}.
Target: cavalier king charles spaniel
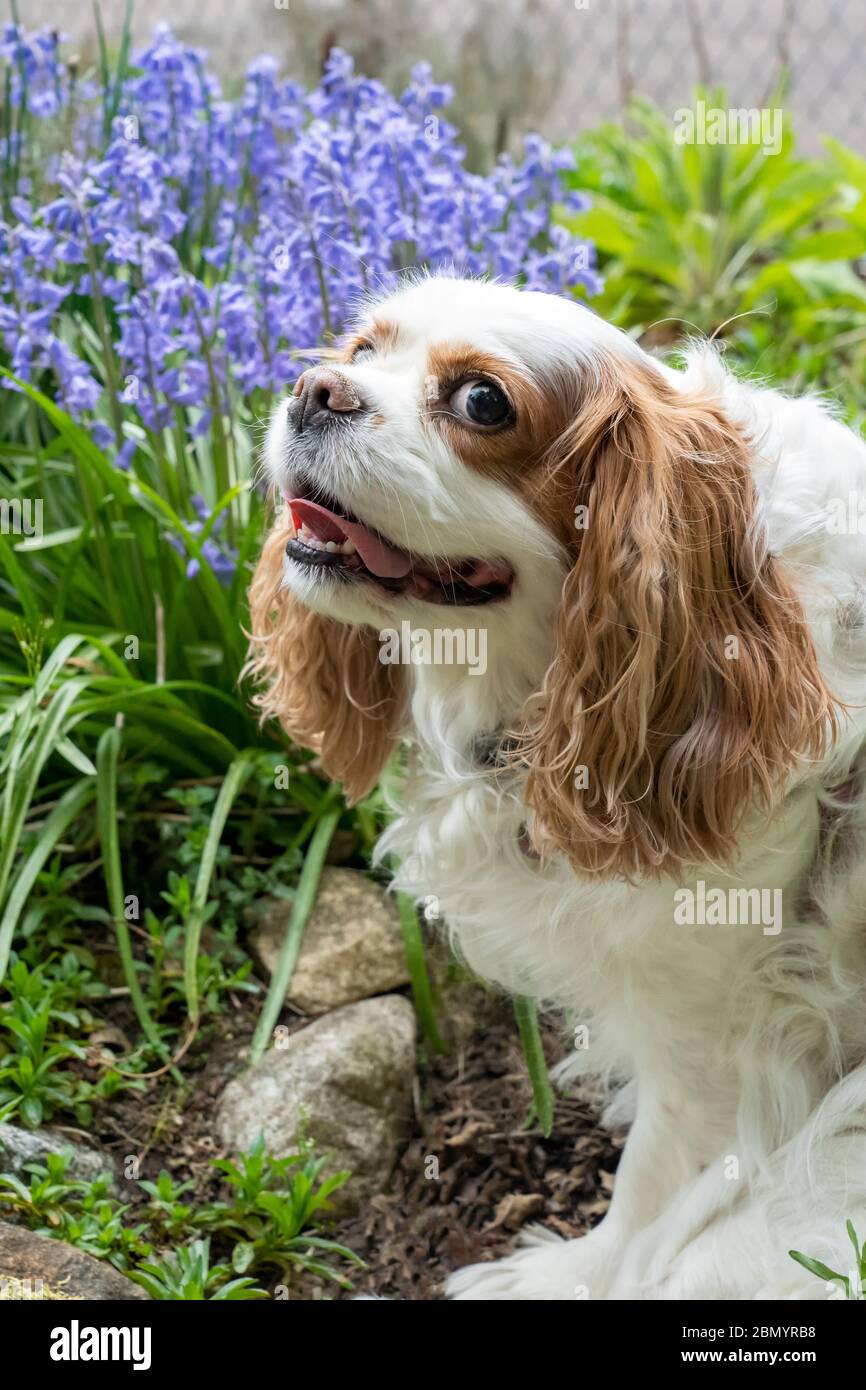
{"x": 647, "y": 810}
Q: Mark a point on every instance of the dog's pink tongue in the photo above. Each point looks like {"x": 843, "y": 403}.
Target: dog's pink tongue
{"x": 381, "y": 559}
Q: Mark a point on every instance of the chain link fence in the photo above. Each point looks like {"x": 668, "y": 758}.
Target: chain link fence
{"x": 662, "y": 48}
{"x": 556, "y": 66}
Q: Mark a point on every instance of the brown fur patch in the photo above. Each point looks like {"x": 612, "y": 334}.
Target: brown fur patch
{"x": 504, "y": 453}
{"x": 381, "y": 335}
{"x": 321, "y": 679}
{"x": 685, "y": 681}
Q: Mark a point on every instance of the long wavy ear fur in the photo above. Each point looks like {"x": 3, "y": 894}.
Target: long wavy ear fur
{"x": 320, "y": 678}
{"x": 685, "y": 686}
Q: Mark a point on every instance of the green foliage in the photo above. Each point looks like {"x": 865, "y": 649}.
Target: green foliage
{"x": 301, "y": 908}
{"x": 270, "y": 1216}
{"x": 181, "y": 948}
{"x": 699, "y": 234}
{"x": 39, "y": 1078}
{"x": 84, "y": 1214}
{"x": 163, "y": 650}
{"x": 36, "y": 1049}
{"x": 413, "y": 945}
{"x": 188, "y": 1274}
{"x": 853, "y": 1288}
{"x": 222, "y": 969}
{"x": 272, "y": 1202}
{"x": 167, "y": 1211}
{"x": 33, "y": 1080}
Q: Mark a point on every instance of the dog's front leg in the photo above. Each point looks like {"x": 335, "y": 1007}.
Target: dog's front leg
{"x": 664, "y": 1150}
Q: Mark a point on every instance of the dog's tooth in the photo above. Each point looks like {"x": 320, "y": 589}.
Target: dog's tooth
{"x": 332, "y": 547}
{"x": 348, "y": 547}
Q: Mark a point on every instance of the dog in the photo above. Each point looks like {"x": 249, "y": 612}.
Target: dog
{"x": 648, "y": 810}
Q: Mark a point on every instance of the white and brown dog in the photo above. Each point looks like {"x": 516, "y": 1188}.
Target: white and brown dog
{"x": 650, "y": 810}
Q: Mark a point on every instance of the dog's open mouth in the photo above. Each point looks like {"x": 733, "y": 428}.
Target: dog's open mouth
{"x": 327, "y": 537}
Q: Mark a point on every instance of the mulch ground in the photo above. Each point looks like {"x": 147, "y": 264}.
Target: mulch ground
{"x": 473, "y": 1174}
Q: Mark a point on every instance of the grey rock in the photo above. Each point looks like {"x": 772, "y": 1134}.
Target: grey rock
{"x": 352, "y": 947}
{"x": 345, "y": 1082}
{"x": 34, "y": 1267}
{"x": 19, "y": 1146}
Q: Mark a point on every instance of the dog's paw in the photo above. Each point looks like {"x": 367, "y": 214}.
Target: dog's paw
{"x": 546, "y": 1268}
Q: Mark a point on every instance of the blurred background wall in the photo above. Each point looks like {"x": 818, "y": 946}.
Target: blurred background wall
{"x": 548, "y": 65}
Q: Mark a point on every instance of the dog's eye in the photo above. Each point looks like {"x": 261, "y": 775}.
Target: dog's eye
{"x": 482, "y": 402}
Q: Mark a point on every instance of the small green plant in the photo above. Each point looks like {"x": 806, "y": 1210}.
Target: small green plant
{"x": 38, "y": 1073}
{"x": 166, "y": 1209}
{"x": 221, "y": 969}
{"x": 84, "y": 1214}
{"x": 188, "y": 1274}
{"x": 268, "y": 1218}
{"x": 272, "y": 1202}
{"x": 853, "y": 1288}
{"x": 41, "y": 1199}
{"x": 60, "y": 985}
{"x": 54, "y": 920}
{"x": 34, "y": 1082}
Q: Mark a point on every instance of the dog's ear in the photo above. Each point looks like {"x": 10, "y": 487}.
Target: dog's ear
{"x": 322, "y": 679}
{"x": 684, "y": 686}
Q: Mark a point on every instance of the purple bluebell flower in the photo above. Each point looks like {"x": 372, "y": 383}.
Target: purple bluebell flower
{"x": 220, "y": 557}
{"x": 204, "y": 244}
{"x": 125, "y": 455}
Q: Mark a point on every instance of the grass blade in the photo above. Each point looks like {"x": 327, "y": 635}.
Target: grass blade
{"x": 233, "y": 781}
{"x": 37, "y": 753}
{"x": 413, "y": 944}
{"x": 107, "y": 752}
{"x": 530, "y": 1036}
{"x": 821, "y": 1271}
{"x": 20, "y": 583}
{"x": 70, "y": 805}
{"x": 304, "y": 898}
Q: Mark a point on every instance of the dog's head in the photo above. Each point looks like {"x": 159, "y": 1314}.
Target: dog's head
{"x": 478, "y": 454}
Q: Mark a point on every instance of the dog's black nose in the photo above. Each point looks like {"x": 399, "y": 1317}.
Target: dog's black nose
{"x": 321, "y": 393}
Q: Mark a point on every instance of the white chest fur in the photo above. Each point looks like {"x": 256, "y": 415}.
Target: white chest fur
{"x": 616, "y": 955}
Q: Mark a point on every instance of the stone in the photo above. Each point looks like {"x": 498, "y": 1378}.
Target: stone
{"x": 352, "y": 946}
{"x": 345, "y": 1082}
{"x": 34, "y": 1267}
{"x": 19, "y": 1146}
